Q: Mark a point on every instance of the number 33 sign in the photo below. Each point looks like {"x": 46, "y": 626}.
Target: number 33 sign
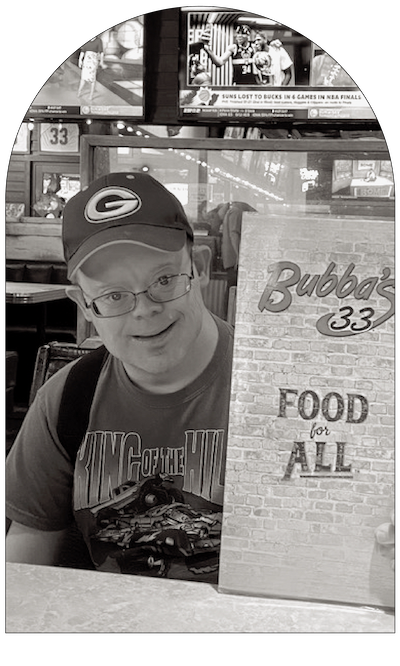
{"x": 59, "y": 138}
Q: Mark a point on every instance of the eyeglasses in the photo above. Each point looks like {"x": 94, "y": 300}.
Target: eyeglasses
{"x": 166, "y": 288}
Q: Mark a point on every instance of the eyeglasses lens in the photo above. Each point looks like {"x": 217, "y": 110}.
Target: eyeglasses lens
{"x": 165, "y": 289}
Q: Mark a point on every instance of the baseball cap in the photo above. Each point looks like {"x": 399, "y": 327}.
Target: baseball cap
{"x": 122, "y": 207}
{"x": 243, "y": 30}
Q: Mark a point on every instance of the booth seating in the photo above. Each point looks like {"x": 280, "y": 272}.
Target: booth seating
{"x": 36, "y": 271}
{"x": 21, "y": 320}
{"x": 11, "y": 379}
{"x": 61, "y": 315}
{"x": 13, "y": 415}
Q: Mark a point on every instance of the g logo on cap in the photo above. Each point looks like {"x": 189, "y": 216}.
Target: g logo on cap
{"x": 126, "y": 203}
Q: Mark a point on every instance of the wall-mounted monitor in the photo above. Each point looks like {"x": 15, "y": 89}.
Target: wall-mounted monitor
{"x": 103, "y": 78}
{"x": 240, "y": 66}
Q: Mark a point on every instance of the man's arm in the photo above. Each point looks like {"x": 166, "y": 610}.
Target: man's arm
{"x": 287, "y": 76}
{"x": 31, "y": 546}
{"x": 286, "y": 66}
{"x": 219, "y": 61}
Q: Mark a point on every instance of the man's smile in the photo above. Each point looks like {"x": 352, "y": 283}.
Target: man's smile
{"x": 149, "y": 337}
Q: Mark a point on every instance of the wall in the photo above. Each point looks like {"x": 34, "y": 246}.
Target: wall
{"x": 161, "y": 68}
{"x": 35, "y": 238}
{"x": 298, "y": 524}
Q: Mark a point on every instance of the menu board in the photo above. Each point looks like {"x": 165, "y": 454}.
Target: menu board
{"x": 310, "y": 458}
{"x": 237, "y": 65}
{"x": 102, "y": 78}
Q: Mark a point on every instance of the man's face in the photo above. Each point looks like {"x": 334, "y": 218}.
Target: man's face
{"x": 257, "y": 43}
{"x": 242, "y": 38}
{"x": 155, "y": 338}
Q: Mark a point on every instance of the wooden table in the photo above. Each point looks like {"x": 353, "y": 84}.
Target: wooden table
{"x": 38, "y": 294}
{"x": 52, "y": 599}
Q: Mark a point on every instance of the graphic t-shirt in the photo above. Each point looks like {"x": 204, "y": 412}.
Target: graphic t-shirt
{"x": 146, "y": 488}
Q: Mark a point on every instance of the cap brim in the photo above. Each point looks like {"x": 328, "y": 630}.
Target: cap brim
{"x": 158, "y": 238}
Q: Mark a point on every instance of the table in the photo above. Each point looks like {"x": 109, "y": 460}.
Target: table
{"x": 35, "y": 293}
{"x": 52, "y": 599}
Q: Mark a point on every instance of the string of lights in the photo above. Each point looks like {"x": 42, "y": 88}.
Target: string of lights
{"x": 123, "y": 128}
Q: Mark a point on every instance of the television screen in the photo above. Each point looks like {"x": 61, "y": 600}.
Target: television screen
{"x": 103, "y": 78}
{"x": 237, "y": 65}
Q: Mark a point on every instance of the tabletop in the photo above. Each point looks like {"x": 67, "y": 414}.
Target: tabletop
{"x": 34, "y": 292}
{"x": 52, "y": 600}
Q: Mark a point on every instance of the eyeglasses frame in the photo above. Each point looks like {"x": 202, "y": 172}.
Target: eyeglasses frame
{"x": 92, "y": 304}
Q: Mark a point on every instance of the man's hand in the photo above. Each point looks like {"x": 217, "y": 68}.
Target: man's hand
{"x": 384, "y": 535}
{"x": 205, "y": 36}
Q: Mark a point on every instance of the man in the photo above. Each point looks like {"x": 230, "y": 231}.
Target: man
{"x": 273, "y": 64}
{"x": 90, "y": 58}
{"x": 240, "y": 53}
{"x": 146, "y": 485}
{"x": 198, "y": 76}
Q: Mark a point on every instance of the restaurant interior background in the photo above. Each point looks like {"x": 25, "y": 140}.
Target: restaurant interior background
{"x": 310, "y": 165}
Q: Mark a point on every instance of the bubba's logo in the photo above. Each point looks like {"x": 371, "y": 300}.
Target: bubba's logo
{"x": 346, "y": 321}
{"x": 111, "y": 203}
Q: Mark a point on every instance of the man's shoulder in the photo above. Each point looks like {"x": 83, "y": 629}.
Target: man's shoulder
{"x": 225, "y": 332}
{"x": 59, "y": 377}
{"x": 54, "y": 385}
{"x": 48, "y": 396}
{"x": 65, "y": 398}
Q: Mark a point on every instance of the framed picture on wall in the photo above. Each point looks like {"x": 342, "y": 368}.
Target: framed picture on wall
{"x": 59, "y": 138}
{"x": 21, "y": 143}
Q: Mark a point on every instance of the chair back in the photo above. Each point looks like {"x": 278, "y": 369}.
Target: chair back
{"x": 50, "y": 358}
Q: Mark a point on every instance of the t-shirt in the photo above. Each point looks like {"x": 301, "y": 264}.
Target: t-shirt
{"x": 281, "y": 61}
{"x": 146, "y": 488}
{"x": 94, "y": 46}
{"x": 270, "y": 65}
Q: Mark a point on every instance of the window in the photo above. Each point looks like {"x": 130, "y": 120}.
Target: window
{"x": 276, "y": 177}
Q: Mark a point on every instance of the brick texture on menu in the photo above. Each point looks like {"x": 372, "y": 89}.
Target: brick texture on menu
{"x": 310, "y": 461}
